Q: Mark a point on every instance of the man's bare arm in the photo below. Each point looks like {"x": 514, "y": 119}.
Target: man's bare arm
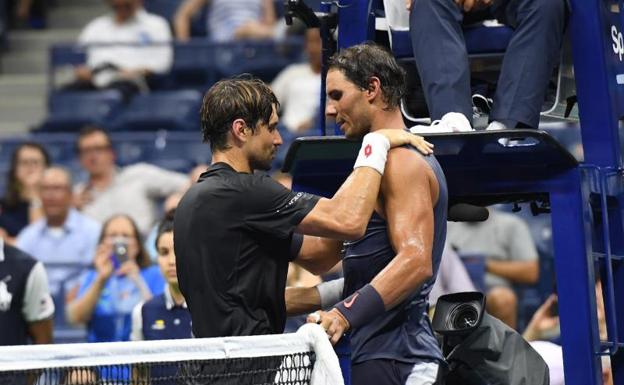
{"x": 183, "y": 17}
{"x": 526, "y": 272}
{"x": 318, "y": 255}
{"x": 302, "y": 300}
{"x": 41, "y": 331}
{"x": 346, "y": 214}
{"x": 409, "y": 214}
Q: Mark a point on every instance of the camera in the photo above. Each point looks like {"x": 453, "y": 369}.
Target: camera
{"x": 120, "y": 251}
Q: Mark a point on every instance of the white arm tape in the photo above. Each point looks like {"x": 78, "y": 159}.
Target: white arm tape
{"x": 330, "y": 292}
{"x": 373, "y": 152}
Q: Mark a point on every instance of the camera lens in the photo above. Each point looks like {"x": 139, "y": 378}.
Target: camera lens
{"x": 463, "y": 316}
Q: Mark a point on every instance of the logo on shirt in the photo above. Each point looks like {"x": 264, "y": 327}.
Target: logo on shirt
{"x": 159, "y": 324}
{"x": 368, "y": 150}
{"x": 350, "y": 302}
{"x": 292, "y": 201}
{"x": 5, "y": 296}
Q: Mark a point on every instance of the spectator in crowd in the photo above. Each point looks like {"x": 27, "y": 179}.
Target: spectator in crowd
{"x": 133, "y": 45}
{"x": 64, "y": 240}
{"x": 26, "y": 309}
{"x": 165, "y": 316}
{"x": 169, "y": 205}
{"x": 25, "y": 13}
{"x": 543, "y": 332}
{"x": 531, "y": 55}
{"x": 21, "y": 204}
{"x": 452, "y": 277}
{"x": 134, "y": 190}
{"x": 122, "y": 276}
{"x": 228, "y": 19}
{"x": 298, "y": 87}
{"x": 510, "y": 257}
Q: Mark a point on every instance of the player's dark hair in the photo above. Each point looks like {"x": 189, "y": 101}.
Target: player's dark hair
{"x": 361, "y": 62}
{"x": 242, "y": 97}
{"x": 165, "y": 226}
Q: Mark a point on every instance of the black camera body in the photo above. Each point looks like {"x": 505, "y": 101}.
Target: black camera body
{"x": 482, "y": 350}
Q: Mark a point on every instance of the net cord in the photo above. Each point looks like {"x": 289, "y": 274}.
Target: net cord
{"x": 309, "y": 337}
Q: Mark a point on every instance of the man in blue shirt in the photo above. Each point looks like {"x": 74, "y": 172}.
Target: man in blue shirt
{"x": 64, "y": 240}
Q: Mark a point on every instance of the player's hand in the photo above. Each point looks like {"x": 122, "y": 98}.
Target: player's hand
{"x": 401, "y": 137}
{"x": 408, "y": 4}
{"x": 333, "y": 322}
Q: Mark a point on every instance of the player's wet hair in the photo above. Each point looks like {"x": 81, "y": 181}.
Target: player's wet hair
{"x": 242, "y": 97}
{"x": 361, "y": 62}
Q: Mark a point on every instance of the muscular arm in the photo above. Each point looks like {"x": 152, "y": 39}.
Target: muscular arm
{"x": 301, "y": 300}
{"x": 183, "y": 16}
{"x": 409, "y": 214}
{"x": 346, "y": 214}
{"x": 526, "y": 272}
{"x": 318, "y": 255}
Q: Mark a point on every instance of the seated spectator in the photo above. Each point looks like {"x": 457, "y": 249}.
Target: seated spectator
{"x": 21, "y": 204}
{"x": 510, "y": 257}
{"x": 452, "y": 277}
{"x": 298, "y": 87}
{"x": 135, "y": 190}
{"x": 228, "y": 19}
{"x": 122, "y": 276}
{"x": 26, "y": 309}
{"x": 543, "y": 333}
{"x": 527, "y": 66}
{"x": 124, "y": 49}
{"x": 164, "y": 316}
{"x": 64, "y": 240}
{"x": 169, "y": 205}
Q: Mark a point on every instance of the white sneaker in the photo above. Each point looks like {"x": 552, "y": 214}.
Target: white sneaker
{"x": 450, "y": 122}
{"x": 495, "y": 125}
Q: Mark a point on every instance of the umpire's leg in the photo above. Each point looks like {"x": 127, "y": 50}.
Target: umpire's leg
{"x": 441, "y": 57}
{"x": 530, "y": 58}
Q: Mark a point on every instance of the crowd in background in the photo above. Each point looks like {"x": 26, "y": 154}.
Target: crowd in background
{"x": 89, "y": 236}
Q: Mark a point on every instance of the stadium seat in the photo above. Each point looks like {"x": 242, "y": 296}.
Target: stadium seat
{"x": 193, "y": 66}
{"x": 162, "y": 110}
{"x": 264, "y": 59}
{"x": 70, "y": 111}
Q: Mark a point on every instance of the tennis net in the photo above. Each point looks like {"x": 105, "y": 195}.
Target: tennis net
{"x": 301, "y": 358}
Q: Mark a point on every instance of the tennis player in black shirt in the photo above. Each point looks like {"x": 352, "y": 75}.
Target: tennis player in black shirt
{"x": 236, "y": 231}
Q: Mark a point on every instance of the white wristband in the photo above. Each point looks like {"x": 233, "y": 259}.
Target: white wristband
{"x": 373, "y": 152}
{"x": 330, "y": 292}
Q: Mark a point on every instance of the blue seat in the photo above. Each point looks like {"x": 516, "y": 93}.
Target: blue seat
{"x": 70, "y": 111}
{"x": 193, "y": 65}
{"x": 480, "y": 40}
{"x": 264, "y": 59}
{"x": 164, "y": 8}
{"x": 162, "y": 110}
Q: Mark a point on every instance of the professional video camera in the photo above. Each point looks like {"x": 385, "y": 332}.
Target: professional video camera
{"x": 482, "y": 350}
